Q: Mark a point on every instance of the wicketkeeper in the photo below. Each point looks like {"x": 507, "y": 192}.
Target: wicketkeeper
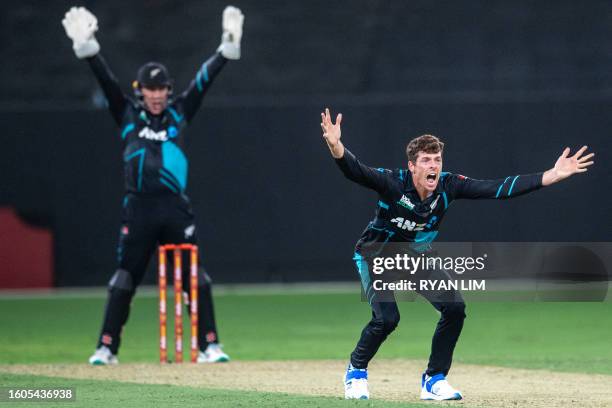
{"x": 411, "y": 205}
{"x": 152, "y": 126}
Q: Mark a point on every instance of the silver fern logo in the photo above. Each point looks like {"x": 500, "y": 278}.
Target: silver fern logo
{"x": 189, "y": 231}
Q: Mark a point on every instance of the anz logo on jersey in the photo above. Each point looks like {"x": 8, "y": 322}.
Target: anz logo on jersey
{"x": 161, "y": 136}
{"x": 150, "y": 134}
{"x": 406, "y": 224}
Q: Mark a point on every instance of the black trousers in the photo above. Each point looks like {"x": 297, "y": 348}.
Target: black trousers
{"x": 146, "y": 222}
{"x": 385, "y": 318}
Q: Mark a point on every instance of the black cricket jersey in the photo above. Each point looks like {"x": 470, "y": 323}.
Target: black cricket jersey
{"x": 401, "y": 216}
{"x": 153, "y": 145}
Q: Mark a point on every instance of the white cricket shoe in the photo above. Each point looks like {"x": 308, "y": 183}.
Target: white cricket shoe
{"x": 103, "y": 356}
{"x": 437, "y": 388}
{"x": 213, "y": 354}
{"x": 356, "y": 383}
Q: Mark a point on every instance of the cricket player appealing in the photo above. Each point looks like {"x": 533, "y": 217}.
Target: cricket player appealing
{"x": 411, "y": 205}
{"x": 152, "y": 127}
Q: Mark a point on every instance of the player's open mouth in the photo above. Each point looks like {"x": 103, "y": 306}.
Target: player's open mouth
{"x": 431, "y": 179}
{"x": 156, "y": 106}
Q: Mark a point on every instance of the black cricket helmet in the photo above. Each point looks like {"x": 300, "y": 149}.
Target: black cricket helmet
{"x": 152, "y": 75}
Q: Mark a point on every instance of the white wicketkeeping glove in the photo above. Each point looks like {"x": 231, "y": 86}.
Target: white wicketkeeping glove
{"x": 80, "y": 26}
{"x": 232, "y": 33}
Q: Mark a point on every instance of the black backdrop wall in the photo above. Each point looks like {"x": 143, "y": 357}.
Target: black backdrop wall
{"x": 506, "y": 84}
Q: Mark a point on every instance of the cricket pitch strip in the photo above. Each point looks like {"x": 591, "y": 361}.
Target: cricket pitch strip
{"x": 391, "y": 380}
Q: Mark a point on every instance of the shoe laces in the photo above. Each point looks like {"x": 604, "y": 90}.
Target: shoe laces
{"x": 214, "y": 348}
{"x": 442, "y": 387}
{"x": 104, "y": 351}
{"x": 358, "y": 383}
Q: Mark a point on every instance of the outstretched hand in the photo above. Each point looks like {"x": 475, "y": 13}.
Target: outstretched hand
{"x": 81, "y": 25}
{"x": 232, "y": 22}
{"x": 567, "y": 165}
{"x": 332, "y": 133}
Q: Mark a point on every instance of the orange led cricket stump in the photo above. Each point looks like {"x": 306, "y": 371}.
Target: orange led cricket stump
{"x": 178, "y": 301}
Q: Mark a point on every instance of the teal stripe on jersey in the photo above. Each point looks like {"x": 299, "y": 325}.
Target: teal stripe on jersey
{"x": 175, "y": 162}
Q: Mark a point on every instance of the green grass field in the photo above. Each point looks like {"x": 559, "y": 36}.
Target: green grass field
{"x": 572, "y": 337}
{"x": 106, "y": 394}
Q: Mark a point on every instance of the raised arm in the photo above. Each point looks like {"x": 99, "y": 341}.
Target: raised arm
{"x": 191, "y": 98}
{"x": 514, "y": 186}
{"x": 353, "y": 169}
{"x": 501, "y": 189}
{"x": 81, "y": 25}
{"x": 117, "y": 101}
